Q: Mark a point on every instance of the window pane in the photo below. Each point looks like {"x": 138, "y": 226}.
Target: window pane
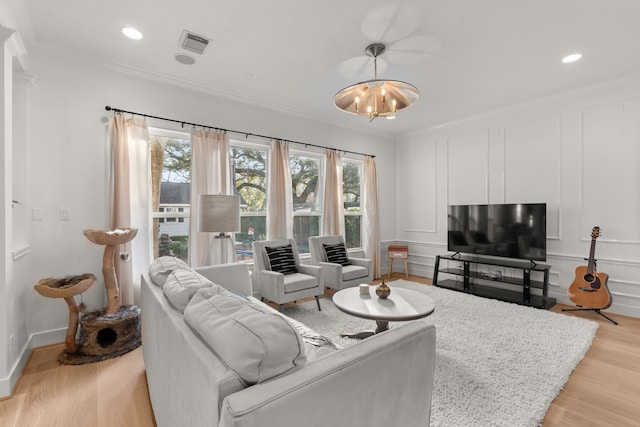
{"x": 304, "y": 181}
{"x": 305, "y": 226}
{"x": 352, "y": 180}
{"x": 171, "y": 185}
{"x": 352, "y": 231}
{"x": 351, "y": 186}
{"x": 253, "y": 228}
{"x": 250, "y": 177}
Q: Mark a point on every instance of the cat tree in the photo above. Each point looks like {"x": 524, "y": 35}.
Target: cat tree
{"x": 106, "y": 333}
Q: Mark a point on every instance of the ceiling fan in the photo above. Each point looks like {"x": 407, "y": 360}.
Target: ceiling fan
{"x": 392, "y": 25}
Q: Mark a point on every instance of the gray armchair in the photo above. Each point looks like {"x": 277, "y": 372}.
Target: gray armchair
{"x": 338, "y": 276}
{"x": 302, "y": 281}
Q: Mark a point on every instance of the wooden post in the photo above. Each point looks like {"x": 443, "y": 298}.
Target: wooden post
{"x": 110, "y": 279}
{"x": 70, "y": 340}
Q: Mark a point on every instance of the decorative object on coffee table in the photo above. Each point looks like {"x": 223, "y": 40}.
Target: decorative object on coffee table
{"x": 383, "y": 290}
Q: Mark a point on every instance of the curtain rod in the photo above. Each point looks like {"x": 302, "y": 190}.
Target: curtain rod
{"x": 246, "y": 134}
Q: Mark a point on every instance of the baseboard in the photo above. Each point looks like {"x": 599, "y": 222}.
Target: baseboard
{"x": 40, "y": 339}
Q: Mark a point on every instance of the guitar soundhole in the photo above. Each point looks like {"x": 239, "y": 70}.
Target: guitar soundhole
{"x": 592, "y": 280}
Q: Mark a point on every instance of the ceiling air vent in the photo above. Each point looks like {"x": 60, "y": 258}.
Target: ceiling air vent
{"x": 193, "y": 42}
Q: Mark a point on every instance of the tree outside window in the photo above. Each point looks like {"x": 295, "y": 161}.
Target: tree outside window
{"x": 305, "y": 179}
{"x": 249, "y": 171}
{"x": 351, "y": 189}
{"x": 170, "y": 190}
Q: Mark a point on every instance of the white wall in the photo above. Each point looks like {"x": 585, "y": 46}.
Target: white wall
{"x": 69, "y": 162}
{"x": 578, "y": 152}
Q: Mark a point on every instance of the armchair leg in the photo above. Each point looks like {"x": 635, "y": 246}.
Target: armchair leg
{"x": 318, "y": 302}
{"x": 279, "y": 307}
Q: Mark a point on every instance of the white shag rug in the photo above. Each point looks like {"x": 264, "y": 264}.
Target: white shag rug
{"x": 497, "y": 364}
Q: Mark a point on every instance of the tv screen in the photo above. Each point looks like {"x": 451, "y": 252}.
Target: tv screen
{"x": 516, "y": 230}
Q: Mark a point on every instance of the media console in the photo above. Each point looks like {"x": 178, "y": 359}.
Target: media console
{"x": 516, "y": 288}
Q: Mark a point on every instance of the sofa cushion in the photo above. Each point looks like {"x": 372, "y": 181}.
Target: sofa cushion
{"x": 281, "y": 259}
{"x": 248, "y": 337}
{"x": 182, "y": 285}
{"x": 352, "y": 272}
{"x": 336, "y": 254}
{"x": 161, "y": 267}
{"x": 298, "y": 282}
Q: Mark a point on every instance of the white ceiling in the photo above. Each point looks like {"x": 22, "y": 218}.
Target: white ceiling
{"x": 465, "y": 56}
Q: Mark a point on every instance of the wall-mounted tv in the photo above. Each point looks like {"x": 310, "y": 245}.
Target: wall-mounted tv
{"x": 517, "y": 230}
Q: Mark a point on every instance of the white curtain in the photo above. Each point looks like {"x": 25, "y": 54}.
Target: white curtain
{"x": 279, "y": 193}
{"x": 370, "y": 227}
{"x": 131, "y": 202}
{"x": 333, "y": 212}
{"x": 210, "y": 174}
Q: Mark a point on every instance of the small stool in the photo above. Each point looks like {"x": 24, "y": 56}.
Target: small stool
{"x": 398, "y": 252}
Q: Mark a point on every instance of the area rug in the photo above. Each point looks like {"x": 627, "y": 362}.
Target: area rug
{"x": 497, "y": 364}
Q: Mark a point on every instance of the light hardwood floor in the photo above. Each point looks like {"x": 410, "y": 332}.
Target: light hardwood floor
{"x": 604, "y": 390}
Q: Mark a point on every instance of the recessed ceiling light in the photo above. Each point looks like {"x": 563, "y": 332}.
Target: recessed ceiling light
{"x": 184, "y": 59}
{"x": 571, "y": 58}
{"x": 132, "y": 33}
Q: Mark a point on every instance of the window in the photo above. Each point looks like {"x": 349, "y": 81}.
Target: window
{"x": 305, "y": 182}
{"x": 170, "y": 192}
{"x": 249, "y": 171}
{"x": 171, "y": 185}
{"x": 351, "y": 189}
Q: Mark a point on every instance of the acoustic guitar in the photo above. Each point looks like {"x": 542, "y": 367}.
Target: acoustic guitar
{"x": 589, "y": 289}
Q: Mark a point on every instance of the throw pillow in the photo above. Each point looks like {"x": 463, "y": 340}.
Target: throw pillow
{"x": 336, "y": 254}
{"x": 281, "y": 259}
{"x": 249, "y": 338}
{"x": 161, "y": 267}
{"x": 182, "y": 285}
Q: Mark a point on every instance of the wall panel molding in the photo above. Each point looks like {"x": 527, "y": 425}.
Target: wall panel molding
{"x": 530, "y": 147}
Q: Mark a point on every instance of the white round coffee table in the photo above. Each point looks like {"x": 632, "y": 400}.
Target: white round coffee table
{"x": 401, "y": 305}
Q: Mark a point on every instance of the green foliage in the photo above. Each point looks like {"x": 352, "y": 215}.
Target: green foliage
{"x": 179, "y": 246}
{"x": 352, "y": 231}
{"x": 249, "y": 171}
{"x": 351, "y": 185}
{"x": 177, "y": 161}
{"x": 304, "y": 181}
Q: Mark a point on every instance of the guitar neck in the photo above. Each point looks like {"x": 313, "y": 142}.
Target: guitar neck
{"x": 592, "y": 253}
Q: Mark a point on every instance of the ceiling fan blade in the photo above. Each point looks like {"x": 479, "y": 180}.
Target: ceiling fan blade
{"x": 412, "y": 50}
{"x": 391, "y": 22}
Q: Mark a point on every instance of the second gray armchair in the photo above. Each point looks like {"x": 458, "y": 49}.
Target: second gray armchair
{"x": 279, "y": 275}
{"x": 340, "y": 270}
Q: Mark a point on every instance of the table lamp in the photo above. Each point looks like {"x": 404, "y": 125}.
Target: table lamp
{"x": 220, "y": 214}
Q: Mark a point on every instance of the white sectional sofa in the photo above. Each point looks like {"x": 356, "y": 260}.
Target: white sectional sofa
{"x": 205, "y": 372}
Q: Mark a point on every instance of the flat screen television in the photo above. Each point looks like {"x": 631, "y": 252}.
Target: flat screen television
{"x": 517, "y": 230}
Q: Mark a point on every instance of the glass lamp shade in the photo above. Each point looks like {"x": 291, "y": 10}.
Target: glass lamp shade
{"x": 218, "y": 213}
{"x": 375, "y": 98}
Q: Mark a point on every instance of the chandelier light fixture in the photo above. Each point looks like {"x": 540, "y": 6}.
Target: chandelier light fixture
{"x": 376, "y": 98}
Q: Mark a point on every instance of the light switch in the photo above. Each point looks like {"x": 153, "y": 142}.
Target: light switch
{"x": 65, "y": 214}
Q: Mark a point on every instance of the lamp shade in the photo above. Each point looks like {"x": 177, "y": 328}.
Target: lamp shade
{"x": 218, "y": 213}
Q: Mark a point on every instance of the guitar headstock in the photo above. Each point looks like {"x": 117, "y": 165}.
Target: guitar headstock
{"x": 595, "y": 233}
